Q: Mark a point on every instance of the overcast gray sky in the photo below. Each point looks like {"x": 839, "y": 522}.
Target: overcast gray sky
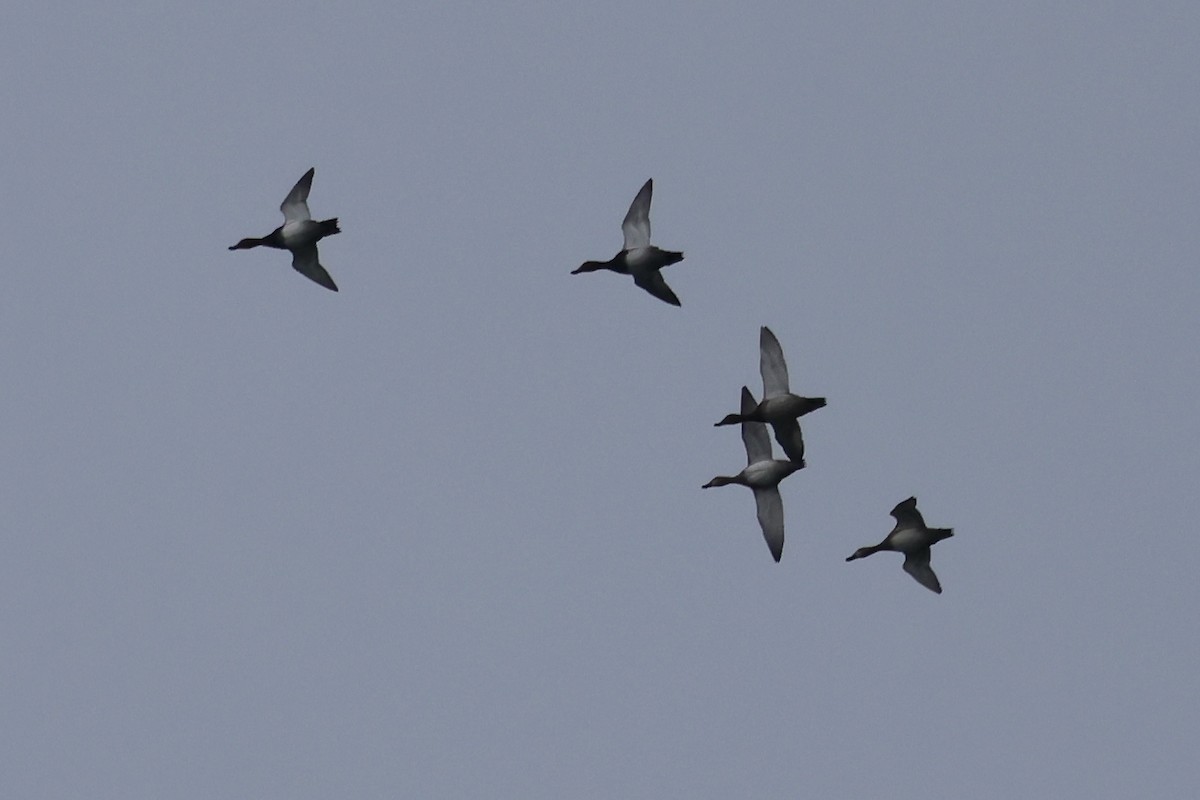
{"x": 442, "y": 534}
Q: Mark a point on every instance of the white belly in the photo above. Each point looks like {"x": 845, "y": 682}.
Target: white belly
{"x": 298, "y": 232}
{"x": 638, "y": 258}
{"x": 909, "y": 539}
{"x": 763, "y": 474}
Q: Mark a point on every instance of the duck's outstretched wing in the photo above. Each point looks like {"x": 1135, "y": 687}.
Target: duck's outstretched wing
{"x": 788, "y": 434}
{"x": 295, "y": 205}
{"x": 636, "y": 226}
{"x": 770, "y": 518}
{"x": 906, "y": 514}
{"x": 754, "y": 434}
{"x": 771, "y": 364}
{"x": 653, "y": 283}
{"x": 304, "y": 261}
{"x": 916, "y": 563}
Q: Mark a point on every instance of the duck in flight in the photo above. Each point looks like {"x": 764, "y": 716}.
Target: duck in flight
{"x": 913, "y": 538}
{"x": 639, "y": 258}
{"x": 779, "y": 407}
{"x": 762, "y": 474}
{"x": 299, "y": 233}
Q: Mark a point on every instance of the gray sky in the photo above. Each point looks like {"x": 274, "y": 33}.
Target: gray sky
{"x": 442, "y": 534}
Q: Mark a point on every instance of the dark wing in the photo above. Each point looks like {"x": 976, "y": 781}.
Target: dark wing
{"x": 906, "y": 514}
{"x": 653, "y": 283}
{"x": 748, "y": 403}
{"x": 304, "y": 261}
{"x": 295, "y": 205}
{"x": 770, "y": 518}
{"x": 636, "y": 225}
{"x": 771, "y": 364}
{"x": 916, "y": 563}
{"x": 754, "y": 434}
{"x": 790, "y": 438}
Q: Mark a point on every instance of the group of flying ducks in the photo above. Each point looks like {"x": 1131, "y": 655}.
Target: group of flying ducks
{"x": 779, "y": 408}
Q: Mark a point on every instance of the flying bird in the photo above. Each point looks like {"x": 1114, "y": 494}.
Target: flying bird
{"x": 639, "y": 258}
{"x": 299, "y": 233}
{"x": 779, "y": 407}
{"x": 762, "y": 474}
{"x": 913, "y": 538}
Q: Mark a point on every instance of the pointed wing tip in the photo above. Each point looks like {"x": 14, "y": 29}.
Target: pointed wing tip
{"x": 331, "y": 286}
{"x": 748, "y": 403}
{"x": 916, "y": 564}
{"x": 307, "y": 263}
{"x": 657, "y": 287}
{"x": 306, "y": 179}
{"x": 930, "y": 581}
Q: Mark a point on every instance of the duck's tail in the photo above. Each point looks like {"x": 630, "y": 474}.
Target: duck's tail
{"x": 671, "y": 257}
{"x": 329, "y": 227}
{"x": 811, "y": 404}
{"x": 941, "y": 533}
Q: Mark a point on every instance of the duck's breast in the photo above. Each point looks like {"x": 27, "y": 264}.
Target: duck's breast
{"x": 907, "y": 539}
{"x": 299, "y": 232}
{"x": 639, "y": 259}
{"x": 767, "y": 473}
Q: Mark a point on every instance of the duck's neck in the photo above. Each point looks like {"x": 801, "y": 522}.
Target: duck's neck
{"x": 721, "y": 480}
{"x": 592, "y": 266}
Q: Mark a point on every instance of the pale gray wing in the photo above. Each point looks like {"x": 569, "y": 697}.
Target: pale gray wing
{"x": 788, "y": 434}
{"x": 754, "y": 434}
{"x": 770, "y": 517}
{"x": 771, "y": 364}
{"x": 305, "y": 261}
{"x": 653, "y": 283}
{"x": 906, "y": 514}
{"x": 295, "y": 205}
{"x": 636, "y": 226}
{"x": 916, "y": 563}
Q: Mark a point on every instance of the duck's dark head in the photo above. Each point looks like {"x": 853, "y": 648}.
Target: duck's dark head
{"x": 863, "y": 552}
{"x": 720, "y": 480}
{"x": 246, "y": 244}
{"x": 730, "y": 419}
{"x": 590, "y": 266}
{"x": 272, "y": 239}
